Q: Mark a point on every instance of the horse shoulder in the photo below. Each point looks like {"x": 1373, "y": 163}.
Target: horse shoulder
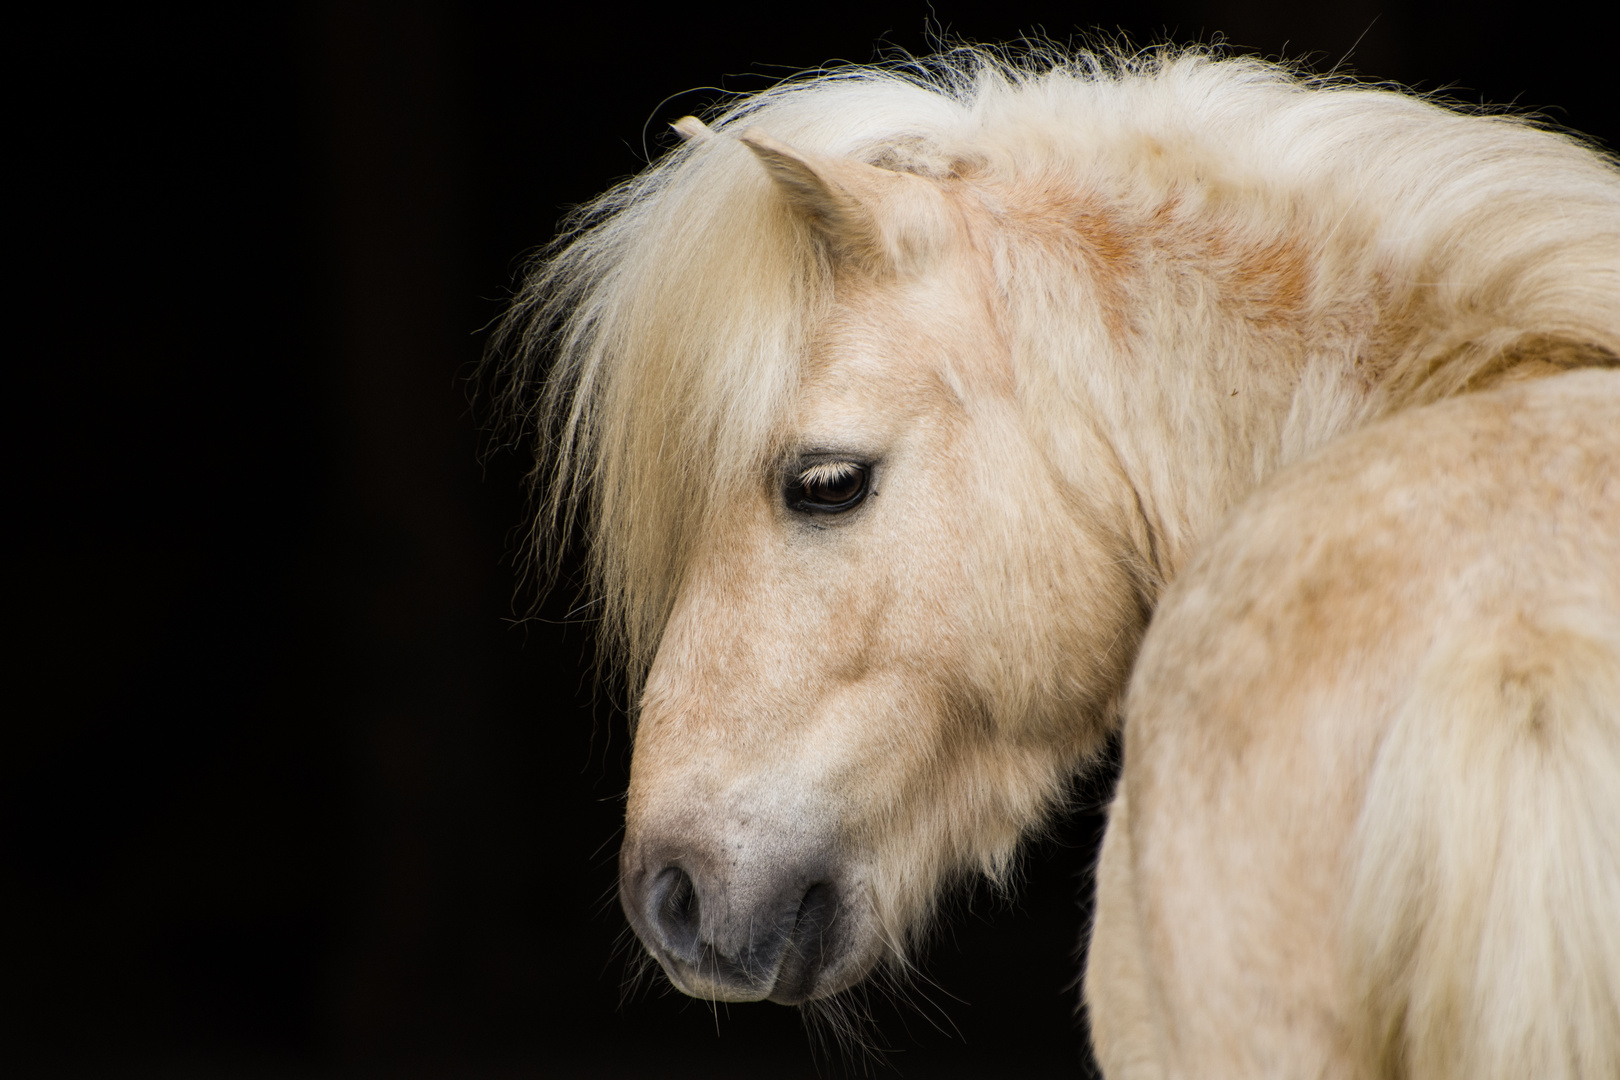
{"x": 1372, "y": 749}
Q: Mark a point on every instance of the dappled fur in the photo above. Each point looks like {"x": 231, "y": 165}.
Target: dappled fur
{"x": 1079, "y": 307}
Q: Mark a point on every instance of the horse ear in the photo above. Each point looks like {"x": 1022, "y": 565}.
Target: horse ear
{"x": 691, "y": 129}
{"x": 878, "y": 217}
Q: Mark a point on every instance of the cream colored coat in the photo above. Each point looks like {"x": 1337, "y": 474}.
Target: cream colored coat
{"x": 1319, "y": 378}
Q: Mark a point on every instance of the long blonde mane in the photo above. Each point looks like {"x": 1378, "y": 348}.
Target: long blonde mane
{"x": 655, "y": 350}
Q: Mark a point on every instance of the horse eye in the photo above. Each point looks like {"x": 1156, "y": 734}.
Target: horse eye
{"x": 828, "y": 487}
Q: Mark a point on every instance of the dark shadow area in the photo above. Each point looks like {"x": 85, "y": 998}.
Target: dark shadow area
{"x": 288, "y": 789}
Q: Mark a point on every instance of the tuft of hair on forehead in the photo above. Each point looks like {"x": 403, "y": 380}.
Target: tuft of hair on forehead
{"x": 654, "y": 351}
{"x": 655, "y": 348}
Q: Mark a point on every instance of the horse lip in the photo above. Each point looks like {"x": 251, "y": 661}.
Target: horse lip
{"x": 792, "y": 980}
{"x": 714, "y": 978}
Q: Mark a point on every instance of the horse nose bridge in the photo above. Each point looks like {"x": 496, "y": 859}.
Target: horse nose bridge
{"x": 739, "y": 641}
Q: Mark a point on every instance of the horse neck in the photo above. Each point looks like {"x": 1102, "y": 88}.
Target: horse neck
{"x": 1189, "y": 413}
{"x": 1197, "y": 403}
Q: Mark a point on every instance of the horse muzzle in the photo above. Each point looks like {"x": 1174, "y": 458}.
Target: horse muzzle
{"x": 782, "y": 930}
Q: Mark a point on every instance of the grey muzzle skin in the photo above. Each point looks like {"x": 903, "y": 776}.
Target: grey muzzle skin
{"x": 773, "y": 932}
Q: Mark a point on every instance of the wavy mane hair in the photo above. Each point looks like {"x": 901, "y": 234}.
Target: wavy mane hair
{"x": 1356, "y": 241}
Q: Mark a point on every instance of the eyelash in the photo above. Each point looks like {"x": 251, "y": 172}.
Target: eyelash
{"x": 828, "y": 487}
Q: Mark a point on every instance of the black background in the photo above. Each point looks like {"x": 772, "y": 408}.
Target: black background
{"x": 285, "y": 788}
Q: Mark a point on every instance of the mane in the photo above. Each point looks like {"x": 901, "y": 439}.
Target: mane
{"x": 655, "y": 350}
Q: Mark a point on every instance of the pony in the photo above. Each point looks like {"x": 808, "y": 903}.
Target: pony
{"x": 930, "y": 424}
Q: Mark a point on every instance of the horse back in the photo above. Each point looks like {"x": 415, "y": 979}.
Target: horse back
{"x": 1373, "y": 760}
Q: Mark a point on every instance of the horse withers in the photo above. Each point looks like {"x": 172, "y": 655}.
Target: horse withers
{"x": 897, "y": 401}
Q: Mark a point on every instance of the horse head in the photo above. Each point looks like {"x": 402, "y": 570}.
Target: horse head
{"x": 889, "y": 647}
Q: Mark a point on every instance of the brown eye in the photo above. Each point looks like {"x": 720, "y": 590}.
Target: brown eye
{"x": 828, "y": 487}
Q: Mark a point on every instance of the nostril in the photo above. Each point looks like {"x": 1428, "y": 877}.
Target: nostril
{"x": 814, "y": 942}
{"x": 816, "y": 913}
{"x": 676, "y": 912}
